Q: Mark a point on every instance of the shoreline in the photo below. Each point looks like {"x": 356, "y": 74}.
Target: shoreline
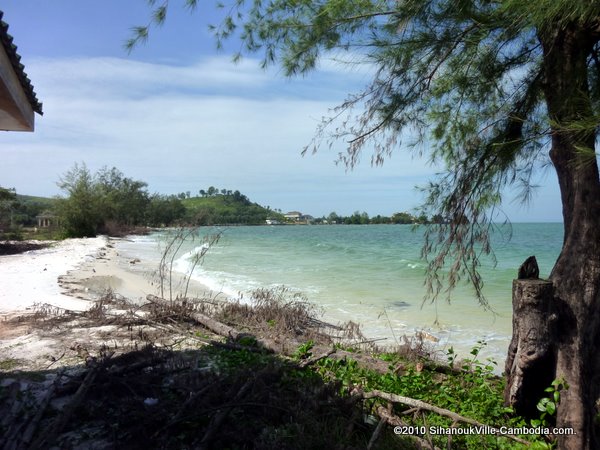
{"x": 67, "y": 276}
{"x": 72, "y": 274}
{"x": 31, "y": 278}
{"x": 121, "y": 274}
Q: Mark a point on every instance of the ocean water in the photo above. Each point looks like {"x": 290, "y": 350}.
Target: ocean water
{"x": 372, "y": 275}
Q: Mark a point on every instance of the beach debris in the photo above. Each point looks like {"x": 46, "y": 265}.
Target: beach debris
{"x": 425, "y": 336}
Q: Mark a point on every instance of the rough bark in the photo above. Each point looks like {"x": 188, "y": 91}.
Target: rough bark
{"x": 576, "y": 274}
{"x": 531, "y": 359}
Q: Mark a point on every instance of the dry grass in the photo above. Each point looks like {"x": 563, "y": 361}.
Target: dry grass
{"x": 274, "y": 312}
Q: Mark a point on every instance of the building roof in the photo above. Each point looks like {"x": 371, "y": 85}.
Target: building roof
{"x": 6, "y": 40}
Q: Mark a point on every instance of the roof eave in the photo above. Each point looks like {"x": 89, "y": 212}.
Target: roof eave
{"x": 18, "y": 101}
{"x": 16, "y": 113}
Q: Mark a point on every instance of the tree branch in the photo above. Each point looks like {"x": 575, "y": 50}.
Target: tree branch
{"x": 394, "y": 398}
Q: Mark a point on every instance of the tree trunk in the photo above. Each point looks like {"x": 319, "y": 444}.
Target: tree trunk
{"x": 576, "y": 274}
{"x": 531, "y": 359}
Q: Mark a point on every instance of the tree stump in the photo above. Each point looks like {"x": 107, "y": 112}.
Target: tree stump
{"x": 531, "y": 359}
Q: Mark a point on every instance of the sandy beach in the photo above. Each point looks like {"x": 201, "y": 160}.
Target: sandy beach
{"x": 69, "y": 275}
{"x": 52, "y": 276}
{"x": 32, "y": 277}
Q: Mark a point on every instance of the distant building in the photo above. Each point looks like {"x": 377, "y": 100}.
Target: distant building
{"x": 293, "y": 216}
{"x": 18, "y": 102}
{"x": 298, "y": 217}
{"x": 47, "y": 220}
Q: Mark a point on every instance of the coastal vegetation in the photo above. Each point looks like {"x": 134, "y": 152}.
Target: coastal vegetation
{"x": 208, "y": 373}
{"x": 362, "y": 218}
{"x": 108, "y": 202}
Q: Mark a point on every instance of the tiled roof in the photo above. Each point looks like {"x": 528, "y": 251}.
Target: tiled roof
{"x": 6, "y": 41}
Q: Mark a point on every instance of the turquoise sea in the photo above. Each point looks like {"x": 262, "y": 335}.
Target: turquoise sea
{"x": 371, "y": 274}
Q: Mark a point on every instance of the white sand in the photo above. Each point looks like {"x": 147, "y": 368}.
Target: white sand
{"x": 71, "y": 273}
{"x": 32, "y": 277}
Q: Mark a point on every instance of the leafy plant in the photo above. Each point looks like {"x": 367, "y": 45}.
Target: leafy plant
{"x": 451, "y": 356}
{"x": 304, "y": 350}
{"x": 548, "y": 405}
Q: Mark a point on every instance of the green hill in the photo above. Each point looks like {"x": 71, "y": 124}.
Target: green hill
{"x": 222, "y": 209}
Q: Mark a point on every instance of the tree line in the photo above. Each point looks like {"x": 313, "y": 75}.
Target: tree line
{"x": 362, "y": 218}
{"x": 108, "y": 202}
{"x": 215, "y": 192}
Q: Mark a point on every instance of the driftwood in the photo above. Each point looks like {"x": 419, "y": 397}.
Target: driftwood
{"x": 20, "y": 424}
{"x": 314, "y": 359}
{"x": 213, "y": 325}
{"x": 394, "y": 398}
{"x": 54, "y": 430}
{"x": 531, "y": 357}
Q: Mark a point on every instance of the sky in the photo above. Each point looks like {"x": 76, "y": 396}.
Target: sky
{"x": 181, "y": 116}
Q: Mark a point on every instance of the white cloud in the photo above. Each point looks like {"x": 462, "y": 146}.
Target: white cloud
{"x": 130, "y": 79}
{"x": 184, "y": 128}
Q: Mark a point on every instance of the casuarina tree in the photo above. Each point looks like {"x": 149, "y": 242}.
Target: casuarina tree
{"x": 494, "y": 88}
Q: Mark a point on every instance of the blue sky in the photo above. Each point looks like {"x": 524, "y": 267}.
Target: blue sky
{"x": 181, "y": 116}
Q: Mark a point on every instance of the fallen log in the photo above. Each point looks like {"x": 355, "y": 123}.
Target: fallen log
{"x": 394, "y": 398}
{"x": 212, "y": 324}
